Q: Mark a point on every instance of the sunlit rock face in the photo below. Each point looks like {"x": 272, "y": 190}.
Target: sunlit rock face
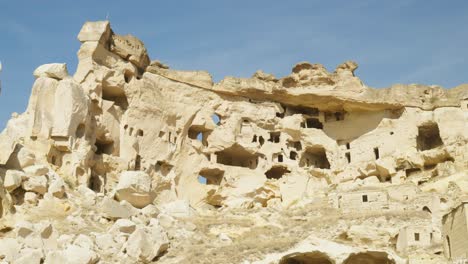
{"x": 129, "y": 161}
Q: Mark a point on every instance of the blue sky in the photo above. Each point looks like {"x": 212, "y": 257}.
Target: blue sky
{"x": 419, "y": 41}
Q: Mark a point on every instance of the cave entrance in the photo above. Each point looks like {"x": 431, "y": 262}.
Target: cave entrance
{"x": 428, "y": 137}
{"x": 103, "y": 147}
{"x": 199, "y": 133}
{"x": 315, "y": 157}
{"x": 369, "y": 257}
{"x": 315, "y": 257}
{"x": 276, "y": 172}
{"x": 313, "y": 123}
{"x": 211, "y": 176}
{"x": 236, "y": 155}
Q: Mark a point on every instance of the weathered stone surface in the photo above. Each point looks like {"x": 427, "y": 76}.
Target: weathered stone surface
{"x": 53, "y": 70}
{"x": 132, "y": 162}
{"x": 135, "y": 188}
{"x": 13, "y": 180}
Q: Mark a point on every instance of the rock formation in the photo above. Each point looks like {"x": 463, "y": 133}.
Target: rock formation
{"x": 129, "y": 161}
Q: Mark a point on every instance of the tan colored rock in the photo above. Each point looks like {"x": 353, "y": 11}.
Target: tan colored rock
{"x": 98, "y": 31}
{"x": 54, "y": 70}
{"x": 312, "y": 167}
{"x": 145, "y": 244}
{"x": 135, "y": 188}
{"x": 13, "y": 180}
{"x": 37, "y": 184}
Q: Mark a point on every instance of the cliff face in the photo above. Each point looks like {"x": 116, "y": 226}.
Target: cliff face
{"x": 130, "y": 161}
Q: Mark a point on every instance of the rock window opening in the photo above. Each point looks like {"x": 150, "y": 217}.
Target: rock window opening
{"x": 376, "y": 153}
{"x": 216, "y": 119}
{"x": 138, "y": 162}
{"x": 276, "y": 172}
{"x": 254, "y": 139}
{"x": 339, "y": 116}
{"x": 365, "y": 199}
{"x": 104, "y": 147}
{"x": 298, "y": 145}
{"x": 348, "y": 145}
{"x": 139, "y": 132}
{"x": 316, "y": 158}
{"x": 211, "y": 176}
{"x": 412, "y": 171}
{"x": 237, "y": 156}
{"x": 280, "y": 158}
{"x": 293, "y": 155}
{"x": 261, "y": 140}
{"x": 303, "y": 110}
{"x": 163, "y": 167}
{"x": 348, "y": 157}
{"x": 416, "y": 236}
{"x": 161, "y": 134}
{"x": 280, "y": 115}
{"x": 119, "y": 98}
{"x": 313, "y": 123}
{"x": 198, "y": 134}
{"x": 80, "y": 131}
{"x": 428, "y": 137}
{"x": 128, "y": 76}
{"x": 275, "y": 137}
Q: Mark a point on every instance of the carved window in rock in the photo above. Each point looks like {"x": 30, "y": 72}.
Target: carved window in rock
{"x": 275, "y": 137}
{"x": 316, "y": 158}
{"x": 313, "y": 123}
{"x": 276, "y": 172}
{"x": 236, "y": 155}
{"x": 428, "y": 137}
{"x": 211, "y": 176}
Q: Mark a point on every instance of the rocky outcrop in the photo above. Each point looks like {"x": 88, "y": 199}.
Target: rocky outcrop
{"x": 129, "y": 161}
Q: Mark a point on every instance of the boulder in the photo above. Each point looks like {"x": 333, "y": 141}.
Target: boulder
{"x": 13, "y": 179}
{"x": 146, "y": 243}
{"x": 53, "y": 70}
{"x": 37, "y": 184}
{"x": 30, "y": 256}
{"x": 98, "y": 31}
{"x": 135, "y": 188}
{"x": 57, "y": 188}
{"x": 36, "y": 170}
{"x": 123, "y": 226}
{"x": 115, "y": 210}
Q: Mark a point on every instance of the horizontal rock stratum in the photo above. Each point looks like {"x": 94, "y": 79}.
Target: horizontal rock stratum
{"x": 130, "y": 161}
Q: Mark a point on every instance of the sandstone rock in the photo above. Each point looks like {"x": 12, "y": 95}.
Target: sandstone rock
{"x": 54, "y": 70}
{"x": 13, "y": 180}
{"x": 115, "y": 210}
{"x": 24, "y": 229}
{"x": 57, "y": 188}
{"x": 30, "y": 256}
{"x": 123, "y": 226}
{"x": 314, "y": 166}
{"x": 37, "y": 184}
{"x": 36, "y": 170}
{"x": 145, "y": 244}
{"x": 98, "y": 31}
{"x": 9, "y": 249}
{"x": 135, "y": 187}
{"x": 30, "y": 197}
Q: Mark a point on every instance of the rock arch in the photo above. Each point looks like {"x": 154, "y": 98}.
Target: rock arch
{"x": 314, "y": 257}
{"x": 369, "y": 257}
